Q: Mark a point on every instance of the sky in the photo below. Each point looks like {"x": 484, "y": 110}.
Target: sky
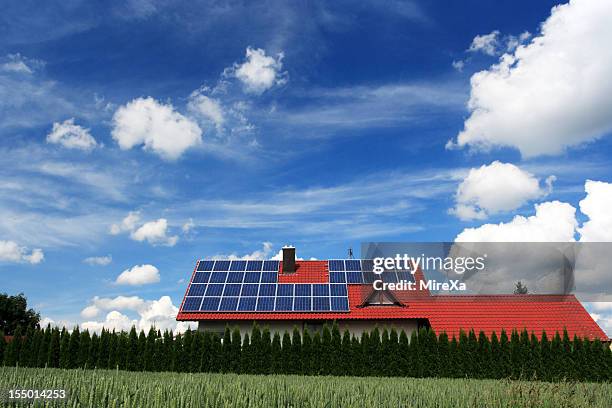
{"x": 138, "y": 137}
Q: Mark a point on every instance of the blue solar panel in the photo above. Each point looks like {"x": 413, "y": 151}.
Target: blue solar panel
{"x": 336, "y": 265}
{"x": 338, "y": 290}
{"x": 389, "y": 276}
{"x": 367, "y": 265}
{"x": 252, "y": 277}
{"x": 249, "y": 290}
{"x": 201, "y": 277}
{"x": 214, "y": 290}
{"x": 284, "y": 304}
{"x": 218, "y": 277}
{"x": 238, "y": 266}
{"x": 254, "y": 265}
{"x": 196, "y": 290}
{"x": 320, "y": 290}
{"x": 247, "y": 304}
{"x": 228, "y": 304}
{"x": 267, "y": 289}
{"x": 337, "y": 277}
{"x": 205, "y": 265}
{"x": 221, "y": 265}
{"x": 270, "y": 266}
{"x": 302, "y": 304}
{"x": 268, "y": 277}
{"x": 210, "y": 303}
{"x": 369, "y": 277}
{"x": 265, "y": 304}
{"x": 320, "y": 304}
{"x": 285, "y": 289}
{"x": 353, "y": 265}
{"x": 192, "y": 304}
{"x": 235, "y": 277}
{"x": 339, "y": 304}
{"x": 302, "y": 289}
{"x": 354, "y": 277}
{"x": 405, "y": 275}
{"x": 232, "y": 290}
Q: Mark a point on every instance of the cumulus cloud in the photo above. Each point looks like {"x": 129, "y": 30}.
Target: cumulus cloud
{"x": 114, "y": 321}
{"x": 157, "y": 126}
{"x": 154, "y": 232}
{"x": 494, "y": 188}
{"x": 10, "y": 251}
{"x": 98, "y": 305}
{"x": 486, "y": 43}
{"x": 553, "y": 221}
{"x": 551, "y": 93}
{"x": 596, "y": 205}
{"x": 98, "y": 260}
{"x": 259, "y": 72}
{"x": 138, "y": 275}
{"x": 71, "y": 136}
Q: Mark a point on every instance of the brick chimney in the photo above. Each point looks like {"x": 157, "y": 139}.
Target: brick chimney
{"x": 288, "y": 259}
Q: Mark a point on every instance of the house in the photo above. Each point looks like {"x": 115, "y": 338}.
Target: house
{"x": 306, "y": 294}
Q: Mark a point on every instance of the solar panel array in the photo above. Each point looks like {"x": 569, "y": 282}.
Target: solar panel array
{"x": 252, "y": 286}
{"x": 360, "y": 271}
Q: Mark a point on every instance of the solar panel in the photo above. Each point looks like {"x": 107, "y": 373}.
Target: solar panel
{"x": 192, "y": 304}
{"x": 367, "y": 265}
{"x": 232, "y": 290}
{"x": 285, "y": 289}
{"x": 268, "y": 277}
{"x": 254, "y": 265}
{"x": 265, "y": 304}
{"x": 369, "y": 277}
{"x": 302, "y": 303}
{"x": 284, "y": 304}
{"x": 267, "y": 290}
{"x": 353, "y": 265}
{"x": 218, "y": 277}
{"x": 252, "y": 277}
{"x": 205, "y": 265}
{"x": 201, "y": 277}
{"x": 214, "y": 290}
{"x": 389, "y": 276}
{"x": 405, "y": 275}
{"x": 354, "y": 277}
{"x": 337, "y": 277}
{"x": 320, "y": 290}
{"x": 210, "y": 304}
{"x": 270, "y": 266}
{"x": 247, "y": 304}
{"x": 338, "y": 290}
{"x": 339, "y": 304}
{"x": 302, "y": 289}
{"x": 221, "y": 265}
{"x": 320, "y": 304}
{"x": 196, "y": 289}
{"x": 235, "y": 277}
{"x": 228, "y": 304}
{"x": 336, "y": 265}
{"x": 238, "y": 266}
{"x": 249, "y": 290}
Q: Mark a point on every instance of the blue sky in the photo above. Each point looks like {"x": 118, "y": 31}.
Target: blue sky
{"x": 230, "y": 128}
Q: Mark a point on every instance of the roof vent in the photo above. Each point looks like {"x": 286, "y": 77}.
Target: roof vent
{"x": 288, "y": 259}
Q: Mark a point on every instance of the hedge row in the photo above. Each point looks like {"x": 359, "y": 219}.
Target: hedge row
{"x": 324, "y": 352}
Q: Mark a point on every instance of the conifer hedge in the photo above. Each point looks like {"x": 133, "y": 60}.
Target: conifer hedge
{"x": 386, "y": 353}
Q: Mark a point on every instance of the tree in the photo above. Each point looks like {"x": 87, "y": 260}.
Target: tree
{"x": 26, "y": 351}
{"x": 495, "y": 370}
{"x": 296, "y": 351}
{"x": 84, "y": 350}
{"x": 346, "y": 354}
{"x": 149, "y": 351}
{"x": 444, "y": 357}
{"x": 64, "y": 361}
{"x": 43, "y": 347}
{"x": 275, "y": 354}
{"x": 286, "y": 353}
{"x": 325, "y": 356}
{"x": 236, "y": 350}
{"x": 226, "y": 350}
{"x": 520, "y": 289}
{"x": 53, "y": 357}
{"x": 94, "y": 349}
{"x": 307, "y": 354}
{"x": 11, "y": 354}
{"x": 2, "y": 347}
{"x": 455, "y": 363}
{"x": 403, "y": 354}
{"x": 266, "y": 350}
{"x": 373, "y": 353}
{"x": 336, "y": 350}
{"x": 315, "y": 351}
{"x": 245, "y": 355}
{"x": 505, "y": 362}
{"x": 14, "y": 313}
{"x": 356, "y": 357}
{"x": 255, "y": 349}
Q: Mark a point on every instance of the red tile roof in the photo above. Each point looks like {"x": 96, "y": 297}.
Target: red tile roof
{"x": 551, "y": 313}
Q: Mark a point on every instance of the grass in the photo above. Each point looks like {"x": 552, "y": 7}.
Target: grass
{"x": 103, "y": 388}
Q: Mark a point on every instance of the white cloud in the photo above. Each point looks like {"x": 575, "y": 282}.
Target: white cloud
{"x": 139, "y": 275}
{"x": 71, "y": 136}
{"x": 596, "y": 205}
{"x": 127, "y": 224}
{"x": 459, "y": 65}
{"x": 19, "y": 64}
{"x": 206, "y": 107}
{"x": 259, "y": 72}
{"x": 10, "y": 251}
{"x": 114, "y": 321}
{"x": 550, "y": 94}
{"x": 188, "y": 226}
{"x": 98, "y": 304}
{"x": 486, "y": 43}
{"x": 159, "y": 127}
{"x": 155, "y": 232}
{"x": 98, "y": 260}
{"x": 494, "y": 188}
{"x": 553, "y": 221}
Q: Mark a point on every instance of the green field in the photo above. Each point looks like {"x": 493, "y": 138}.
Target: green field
{"x": 103, "y": 388}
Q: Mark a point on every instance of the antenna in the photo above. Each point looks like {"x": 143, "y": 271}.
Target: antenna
{"x": 350, "y": 253}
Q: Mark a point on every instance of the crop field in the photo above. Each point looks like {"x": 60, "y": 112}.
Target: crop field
{"x": 107, "y": 388}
